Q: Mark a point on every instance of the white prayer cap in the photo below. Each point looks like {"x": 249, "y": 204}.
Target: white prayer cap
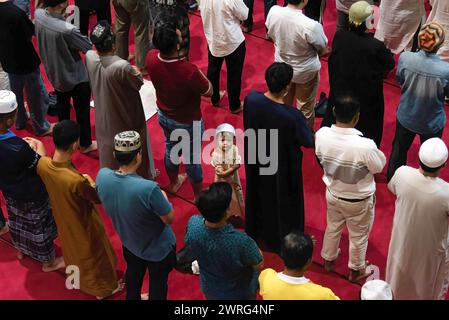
{"x": 127, "y": 141}
{"x": 376, "y": 290}
{"x": 8, "y": 102}
{"x": 225, "y": 127}
{"x": 433, "y": 153}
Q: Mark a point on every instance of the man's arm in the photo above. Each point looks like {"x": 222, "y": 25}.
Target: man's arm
{"x": 86, "y": 189}
{"x": 318, "y": 40}
{"x": 158, "y": 203}
{"x": 239, "y": 9}
{"x": 376, "y": 160}
{"x": 132, "y": 76}
{"x": 77, "y": 41}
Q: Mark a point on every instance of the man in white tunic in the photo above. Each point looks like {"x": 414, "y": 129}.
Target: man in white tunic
{"x": 399, "y": 21}
{"x": 417, "y": 265}
{"x": 118, "y": 106}
{"x": 440, "y": 14}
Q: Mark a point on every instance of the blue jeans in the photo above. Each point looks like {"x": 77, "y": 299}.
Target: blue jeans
{"x": 172, "y": 159}
{"x": 37, "y": 98}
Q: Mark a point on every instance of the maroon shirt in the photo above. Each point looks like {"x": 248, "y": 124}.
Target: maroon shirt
{"x": 179, "y": 86}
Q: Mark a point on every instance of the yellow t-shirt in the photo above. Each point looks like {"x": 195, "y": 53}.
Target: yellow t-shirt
{"x": 277, "y": 286}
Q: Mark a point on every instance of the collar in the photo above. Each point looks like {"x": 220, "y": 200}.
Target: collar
{"x": 7, "y": 135}
{"x": 346, "y": 131}
{"x": 292, "y": 280}
{"x": 55, "y": 15}
{"x": 169, "y": 61}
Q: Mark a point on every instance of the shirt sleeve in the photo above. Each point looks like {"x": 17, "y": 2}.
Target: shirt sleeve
{"x": 77, "y": 41}
{"x": 386, "y": 59}
{"x": 392, "y": 185}
{"x": 87, "y": 191}
{"x": 376, "y": 160}
{"x": 28, "y": 157}
{"x": 250, "y": 253}
{"x": 198, "y": 82}
{"x": 303, "y": 134}
{"x": 400, "y": 71}
{"x": 239, "y": 9}
{"x": 317, "y": 38}
{"x": 132, "y": 77}
{"x": 158, "y": 203}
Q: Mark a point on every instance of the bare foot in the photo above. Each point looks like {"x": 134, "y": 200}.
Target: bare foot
{"x": 329, "y": 265}
{"x": 4, "y": 230}
{"x": 314, "y": 240}
{"x": 93, "y": 146}
{"x": 357, "y": 275}
{"x": 238, "y": 110}
{"x": 49, "y": 131}
{"x": 120, "y": 287}
{"x": 57, "y": 264}
{"x": 222, "y": 94}
{"x": 173, "y": 188}
{"x": 145, "y": 296}
{"x": 20, "y": 255}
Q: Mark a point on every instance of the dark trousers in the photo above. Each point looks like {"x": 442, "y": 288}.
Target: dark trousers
{"x": 315, "y": 9}
{"x": 234, "y": 65}
{"x": 267, "y": 4}
{"x": 403, "y": 139}
{"x": 102, "y": 14}
{"x": 159, "y": 271}
{"x": 2, "y": 219}
{"x": 81, "y": 102}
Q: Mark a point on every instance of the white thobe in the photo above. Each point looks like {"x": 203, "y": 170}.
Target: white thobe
{"x": 440, "y": 14}
{"x": 417, "y": 264}
{"x": 398, "y": 22}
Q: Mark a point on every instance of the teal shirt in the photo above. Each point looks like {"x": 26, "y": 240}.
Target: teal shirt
{"x": 135, "y": 205}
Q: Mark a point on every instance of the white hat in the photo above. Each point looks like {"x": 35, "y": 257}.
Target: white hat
{"x": 226, "y": 127}
{"x": 376, "y": 290}
{"x": 433, "y": 153}
{"x": 360, "y": 12}
{"x": 8, "y": 102}
{"x": 127, "y": 141}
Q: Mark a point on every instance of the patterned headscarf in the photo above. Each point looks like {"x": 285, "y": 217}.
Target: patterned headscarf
{"x": 431, "y": 37}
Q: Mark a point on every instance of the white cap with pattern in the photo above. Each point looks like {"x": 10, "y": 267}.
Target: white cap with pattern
{"x": 8, "y": 101}
{"x": 127, "y": 141}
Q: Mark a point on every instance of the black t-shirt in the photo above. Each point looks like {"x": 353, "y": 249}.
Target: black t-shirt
{"x": 18, "y": 162}
{"x": 17, "y": 53}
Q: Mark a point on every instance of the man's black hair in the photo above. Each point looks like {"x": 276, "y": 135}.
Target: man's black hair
{"x": 296, "y": 250}
{"x": 214, "y": 202}
{"x": 125, "y": 158}
{"x": 165, "y": 38}
{"x": 346, "y": 107}
{"x": 428, "y": 169}
{"x": 65, "y": 133}
{"x": 278, "y": 76}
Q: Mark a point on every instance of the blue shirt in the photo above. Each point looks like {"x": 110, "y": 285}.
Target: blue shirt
{"x": 424, "y": 80}
{"x": 135, "y": 205}
{"x": 226, "y": 258}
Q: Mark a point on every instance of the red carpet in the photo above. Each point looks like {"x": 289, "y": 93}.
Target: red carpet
{"x": 24, "y": 280}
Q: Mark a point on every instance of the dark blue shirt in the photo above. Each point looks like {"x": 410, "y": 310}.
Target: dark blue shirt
{"x": 226, "y": 258}
{"x": 135, "y": 206}
{"x": 18, "y": 177}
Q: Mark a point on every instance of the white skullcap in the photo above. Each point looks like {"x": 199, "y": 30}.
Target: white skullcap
{"x": 8, "y": 102}
{"x": 376, "y": 290}
{"x": 226, "y": 127}
{"x": 433, "y": 153}
{"x": 127, "y": 141}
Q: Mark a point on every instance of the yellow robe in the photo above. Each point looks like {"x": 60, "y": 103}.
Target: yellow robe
{"x": 80, "y": 227}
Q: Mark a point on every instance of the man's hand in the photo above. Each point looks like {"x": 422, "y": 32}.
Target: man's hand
{"x": 33, "y": 143}
{"x": 327, "y": 51}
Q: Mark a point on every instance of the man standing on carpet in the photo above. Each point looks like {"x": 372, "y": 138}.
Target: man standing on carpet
{"x": 349, "y": 162}
{"x": 424, "y": 80}
{"x": 299, "y": 41}
{"x": 357, "y": 65}
{"x": 141, "y": 215}
{"x": 179, "y": 86}
{"x": 274, "y": 191}
{"x": 225, "y": 41}
{"x": 418, "y": 257}
{"x": 31, "y": 222}
{"x": 20, "y": 60}
{"x": 136, "y": 12}
{"x": 118, "y": 105}
{"x": 60, "y": 44}
{"x": 73, "y": 197}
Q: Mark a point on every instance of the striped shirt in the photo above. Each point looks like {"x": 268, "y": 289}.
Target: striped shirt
{"x": 349, "y": 161}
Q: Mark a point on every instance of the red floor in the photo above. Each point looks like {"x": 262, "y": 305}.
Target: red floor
{"x": 24, "y": 280}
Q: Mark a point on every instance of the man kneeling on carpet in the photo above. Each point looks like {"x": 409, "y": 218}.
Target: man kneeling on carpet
{"x": 141, "y": 215}
{"x": 296, "y": 252}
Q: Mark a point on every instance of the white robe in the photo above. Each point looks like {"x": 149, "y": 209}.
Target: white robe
{"x": 440, "y": 14}
{"x": 4, "y": 79}
{"x": 398, "y": 22}
{"x": 417, "y": 264}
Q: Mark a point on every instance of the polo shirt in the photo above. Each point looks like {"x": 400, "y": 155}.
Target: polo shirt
{"x": 226, "y": 258}
{"x": 349, "y": 161}
{"x": 278, "y": 286}
{"x": 17, "y": 53}
{"x": 18, "y": 177}
{"x": 179, "y": 86}
{"x": 298, "y": 40}
{"x": 221, "y": 24}
{"x": 135, "y": 206}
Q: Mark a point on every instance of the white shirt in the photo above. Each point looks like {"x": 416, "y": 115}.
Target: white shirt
{"x": 298, "y": 40}
{"x": 221, "y": 22}
{"x": 345, "y": 5}
{"x": 349, "y": 161}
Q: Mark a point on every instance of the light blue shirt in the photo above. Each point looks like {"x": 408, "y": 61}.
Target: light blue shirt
{"x": 424, "y": 80}
{"x": 135, "y": 205}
